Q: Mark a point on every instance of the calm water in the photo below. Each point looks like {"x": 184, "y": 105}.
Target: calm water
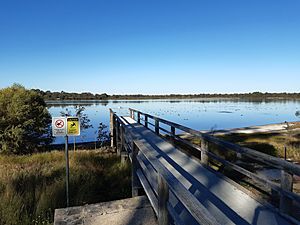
{"x": 197, "y": 114}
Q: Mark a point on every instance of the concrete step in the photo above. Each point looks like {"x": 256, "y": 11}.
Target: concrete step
{"x": 131, "y": 211}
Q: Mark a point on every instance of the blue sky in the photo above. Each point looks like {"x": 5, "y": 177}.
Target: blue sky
{"x": 151, "y": 46}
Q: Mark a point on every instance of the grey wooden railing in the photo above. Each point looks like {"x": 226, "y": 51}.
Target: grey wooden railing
{"x": 157, "y": 181}
{"x": 288, "y": 169}
{"x": 284, "y": 189}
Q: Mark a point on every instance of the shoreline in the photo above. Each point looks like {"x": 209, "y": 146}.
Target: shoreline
{"x": 266, "y": 128}
{"x": 177, "y": 98}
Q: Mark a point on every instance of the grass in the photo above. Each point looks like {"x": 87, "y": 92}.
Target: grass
{"x": 270, "y": 143}
{"x": 32, "y": 186}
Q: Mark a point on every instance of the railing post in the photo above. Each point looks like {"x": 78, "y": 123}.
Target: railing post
{"x": 204, "y": 156}
{"x": 286, "y": 203}
{"x": 131, "y": 114}
{"x": 117, "y": 132}
{"x": 122, "y": 138}
{"x": 173, "y": 134}
{"x": 156, "y": 126}
{"x": 112, "y": 129}
{"x": 124, "y": 154}
{"x": 135, "y": 183}
{"x": 139, "y": 117}
{"x": 163, "y": 197}
{"x": 146, "y": 121}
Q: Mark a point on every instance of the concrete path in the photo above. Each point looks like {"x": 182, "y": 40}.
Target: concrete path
{"x": 227, "y": 203}
{"x": 132, "y": 211}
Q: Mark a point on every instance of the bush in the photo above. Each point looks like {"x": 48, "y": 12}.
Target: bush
{"x": 24, "y": 121}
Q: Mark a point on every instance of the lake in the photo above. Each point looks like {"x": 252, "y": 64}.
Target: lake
{"x": 199, "y": 114}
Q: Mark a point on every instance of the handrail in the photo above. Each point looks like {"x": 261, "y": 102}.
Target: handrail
{"x": 285, "y": 189}
{"x": 167, "y": 181}
{"x": 276, "y": 162}
{"x": 119, "y": 131}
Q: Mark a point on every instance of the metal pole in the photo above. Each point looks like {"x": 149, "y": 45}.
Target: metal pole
{"x": 284, "y": 152}
{"x": 67, "y": 170}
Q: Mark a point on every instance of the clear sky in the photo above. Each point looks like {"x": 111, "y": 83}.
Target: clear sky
{"x": 151, "y": 46}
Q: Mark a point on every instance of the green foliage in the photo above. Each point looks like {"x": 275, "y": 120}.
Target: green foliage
{"x": 24, "y": 121}
{"x": 103, "y": 134}
{"x": 32, "y": 186}
{"x": 79, "y": 112}
{"x": 83, "y": 118}
{"x": 48, "y": 95}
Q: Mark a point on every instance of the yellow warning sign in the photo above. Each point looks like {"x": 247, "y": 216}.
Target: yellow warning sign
{"x": 73, "y": 126}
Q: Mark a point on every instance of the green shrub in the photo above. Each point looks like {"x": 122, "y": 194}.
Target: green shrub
{"x": 24, "y": 121}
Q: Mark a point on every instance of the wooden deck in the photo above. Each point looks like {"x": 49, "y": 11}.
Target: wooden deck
{"x": 223, "y": 200}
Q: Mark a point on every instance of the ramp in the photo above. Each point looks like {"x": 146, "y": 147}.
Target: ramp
{"x": 224, "y": 201}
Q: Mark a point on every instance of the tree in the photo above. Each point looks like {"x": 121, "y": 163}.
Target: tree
{"x": 24, "y": 121}
{"x": 79, "y": 112}
{"x": 103, "y": 134}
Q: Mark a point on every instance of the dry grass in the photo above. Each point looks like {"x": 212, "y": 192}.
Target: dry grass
{"x": 270, "y": 143}
{"x": 31, "y": 187}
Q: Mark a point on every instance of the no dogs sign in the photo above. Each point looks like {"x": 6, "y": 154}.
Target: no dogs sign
{"x": 59, "y": 126}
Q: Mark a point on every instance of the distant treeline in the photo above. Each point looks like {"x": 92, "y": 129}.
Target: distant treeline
{"x": 48, "y": 95}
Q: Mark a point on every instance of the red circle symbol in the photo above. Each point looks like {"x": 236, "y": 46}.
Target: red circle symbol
{"x": 59, "y": 123}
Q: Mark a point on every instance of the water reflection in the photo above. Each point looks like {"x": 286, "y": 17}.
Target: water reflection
{"x": 200, "y": 114}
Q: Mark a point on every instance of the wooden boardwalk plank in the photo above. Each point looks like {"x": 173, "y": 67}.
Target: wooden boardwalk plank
{"x": 223, "y": 200}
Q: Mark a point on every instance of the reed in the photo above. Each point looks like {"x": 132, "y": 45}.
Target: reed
{"x": 32, "y": 186}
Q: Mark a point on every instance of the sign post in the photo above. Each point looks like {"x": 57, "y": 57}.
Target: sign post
{"x": 67, "y": 169}
{"x": 66, "y": 126}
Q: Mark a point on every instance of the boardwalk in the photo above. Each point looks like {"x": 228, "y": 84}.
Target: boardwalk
{"x": 223, "y": 200}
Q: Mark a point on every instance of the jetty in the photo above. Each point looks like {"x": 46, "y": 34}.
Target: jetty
{"x": 173, "y": 186}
